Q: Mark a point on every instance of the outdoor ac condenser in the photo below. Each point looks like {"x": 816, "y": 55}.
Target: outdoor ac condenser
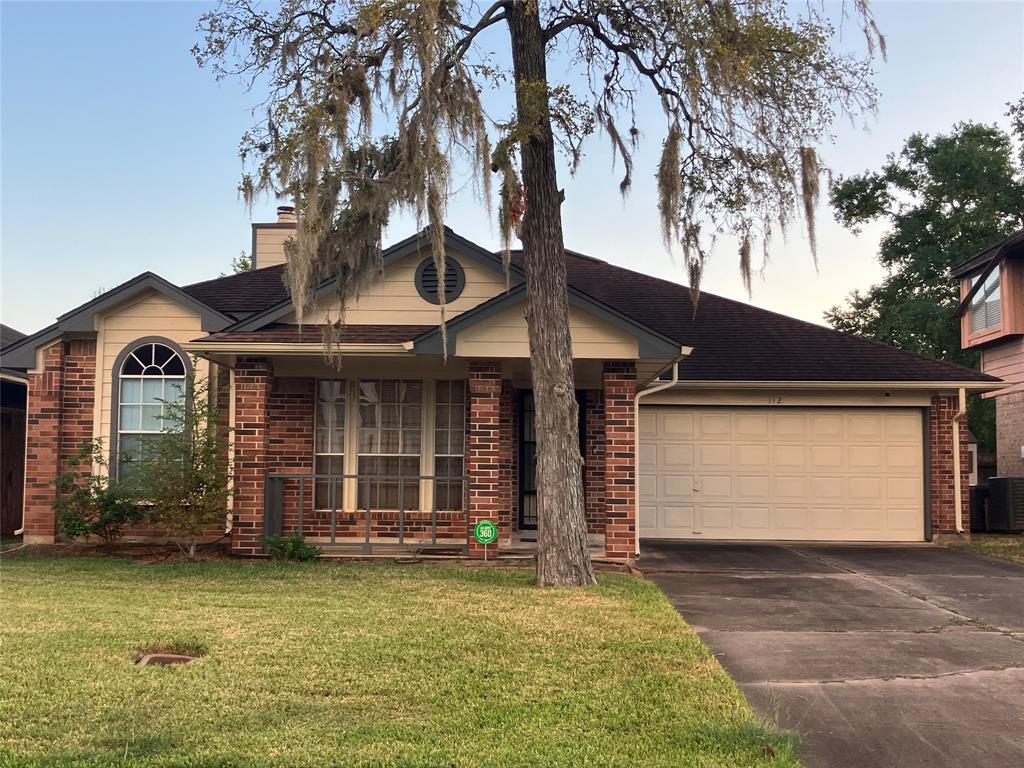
{"x": 1006, "y": 504}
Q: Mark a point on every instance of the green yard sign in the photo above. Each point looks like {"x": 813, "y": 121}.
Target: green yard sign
{"x": 485, "y": 532}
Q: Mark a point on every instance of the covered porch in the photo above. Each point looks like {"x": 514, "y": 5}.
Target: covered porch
{"x": 395, "y": 453}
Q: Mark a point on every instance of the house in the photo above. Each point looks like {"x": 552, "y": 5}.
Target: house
{"x": 991, "y": 315}
{"x": 13, "y": 396}
{"x": 731, "y": 423}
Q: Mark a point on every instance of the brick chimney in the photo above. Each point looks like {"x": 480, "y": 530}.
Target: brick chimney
{"x": 268, "y": 238}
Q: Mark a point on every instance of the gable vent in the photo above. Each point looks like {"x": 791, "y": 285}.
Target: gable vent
{"x": 428, "y": 285}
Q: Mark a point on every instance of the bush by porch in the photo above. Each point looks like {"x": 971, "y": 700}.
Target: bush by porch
{"x": 358, "y": 664}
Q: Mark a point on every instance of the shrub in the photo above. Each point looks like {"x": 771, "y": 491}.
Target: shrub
{"x": 291, "y": 547}
{"x": 184, "y": 473}
{"x": 90, "y": 503}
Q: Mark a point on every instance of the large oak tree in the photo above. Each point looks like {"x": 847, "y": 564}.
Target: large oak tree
{"x": 372, "y": 105}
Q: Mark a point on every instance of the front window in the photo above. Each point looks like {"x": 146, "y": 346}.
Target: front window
{"x": 390, "y": 417}
{"x": 329, "y": 443}
{"x": 449, "y": 443}
{"x": 985, "y": 306}
{"x": 151, "y": 376}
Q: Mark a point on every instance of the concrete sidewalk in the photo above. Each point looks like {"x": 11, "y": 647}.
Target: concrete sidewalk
{"x": 875, "y": 655}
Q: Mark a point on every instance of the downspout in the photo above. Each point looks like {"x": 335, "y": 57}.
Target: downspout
{"x": 636, "y": 439}
{"x": 24, "y": 474}
{"x": 957, "y": 472}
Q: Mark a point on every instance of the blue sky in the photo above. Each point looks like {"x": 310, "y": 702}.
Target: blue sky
{"x": 117, "y": 156}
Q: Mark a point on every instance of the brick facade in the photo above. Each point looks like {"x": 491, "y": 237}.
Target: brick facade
{"x": 620, "y": 460}
{"x": 252, "y": 377}
{"x": 1010, "y": 434}
{"x": 59, "y": 420}
{"x": 488, "y": 449}
{"x": 593, "y": 460}
{"x": 940, "y": 450}
{"x": 42, "y": 445}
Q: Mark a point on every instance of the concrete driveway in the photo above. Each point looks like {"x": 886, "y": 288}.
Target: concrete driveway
{"x": 875, "y": 655}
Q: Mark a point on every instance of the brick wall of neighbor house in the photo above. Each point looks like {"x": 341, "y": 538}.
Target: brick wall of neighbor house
{"x": 252, "y": 394}
{"x": 940, "y": 427}
{"x": 593, "y": 460}
{"x": 487, "y": 450}
{"x": 1010, "y": 434}
{"x": 620, "y": 460}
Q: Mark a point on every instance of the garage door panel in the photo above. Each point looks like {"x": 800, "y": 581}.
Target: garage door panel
{"x": 678, "y": 518}
{"x": 832, "y": 474}
{"x": 677, "y": 455}
{"x": 752, "y": 456}
{"x": 712, "y": 455}
{"x": 677, "y": 486}
{"x": 715, "y": 518}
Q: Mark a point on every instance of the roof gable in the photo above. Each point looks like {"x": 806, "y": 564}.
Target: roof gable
{"x": 82, "y": 319}
{"x": 417, "y": 243}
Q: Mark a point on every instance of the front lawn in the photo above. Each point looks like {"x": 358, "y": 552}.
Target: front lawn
{"x": 357, "y": 664}
{"x": 1005, "y": 546}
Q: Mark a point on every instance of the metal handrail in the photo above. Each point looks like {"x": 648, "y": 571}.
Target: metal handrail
{"x": 274, "y": 518}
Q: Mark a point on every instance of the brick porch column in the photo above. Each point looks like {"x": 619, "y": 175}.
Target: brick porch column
{"x": 42, "y": 446}
{"x": 619, "y": 460}
{"x": 488, "y": 453}
{"x": 940, "y": 451}
{"x": 252, "y": 380}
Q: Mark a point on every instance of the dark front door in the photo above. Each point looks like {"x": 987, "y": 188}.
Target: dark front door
{"x": 528, "y": 457}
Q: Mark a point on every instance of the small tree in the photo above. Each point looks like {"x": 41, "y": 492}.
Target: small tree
{"x": 90, "y": 503}
{"x": 184, "y": 473}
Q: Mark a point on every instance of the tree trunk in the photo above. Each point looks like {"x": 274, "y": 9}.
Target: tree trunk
{"x": 563, "y": 556}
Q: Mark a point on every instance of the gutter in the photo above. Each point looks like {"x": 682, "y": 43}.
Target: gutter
{"x": 684, "y": 352}
{"x": 958, "y": 511}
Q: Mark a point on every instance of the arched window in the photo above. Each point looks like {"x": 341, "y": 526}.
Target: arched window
{"x": 150, "y": 373}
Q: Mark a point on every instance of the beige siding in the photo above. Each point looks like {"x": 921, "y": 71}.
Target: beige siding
{"x": 505, "y": 335}
{"x": 150, "y": 314}
{"x": 395, "y": 301}
{"x": 1005, "y": 360}
{"x": 269, "y": 245}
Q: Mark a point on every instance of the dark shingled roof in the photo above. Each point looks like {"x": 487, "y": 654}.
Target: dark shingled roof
{"x": 244, "y": 293}
{"x": 280, "y": 333}
{"x": 732, "y": 341}
{"x": 9, "y": 335}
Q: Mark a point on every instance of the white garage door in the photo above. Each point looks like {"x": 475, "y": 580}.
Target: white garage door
{"x": 831, "y": 474}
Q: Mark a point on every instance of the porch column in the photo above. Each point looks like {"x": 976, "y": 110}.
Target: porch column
{"x": 488, "y": 452}
{"x": 620, "y": 460}
{"x": 42, "y": 445}
{"x": 252, "y": 379}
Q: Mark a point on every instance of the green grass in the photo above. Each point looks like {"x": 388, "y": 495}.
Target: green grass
{"x": 9, "y": 542}
{"x": 356, "y": 664}
{"x": 1005, "y": 546}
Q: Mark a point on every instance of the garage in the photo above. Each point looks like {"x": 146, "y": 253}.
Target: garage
{"x": 785, "y": 473}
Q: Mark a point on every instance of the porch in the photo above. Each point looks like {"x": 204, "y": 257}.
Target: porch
{"x": 388, "y": 457}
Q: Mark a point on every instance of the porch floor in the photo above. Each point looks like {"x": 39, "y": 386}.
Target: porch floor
{"x": 522, "y": 545}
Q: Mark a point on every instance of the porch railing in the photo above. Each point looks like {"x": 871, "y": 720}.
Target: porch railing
{"x": 291, "y": 504}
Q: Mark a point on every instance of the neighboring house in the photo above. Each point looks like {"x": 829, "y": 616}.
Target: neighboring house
{"x": 13, "y": 395}
{"x": 992, "y": 320}
{"x": 731, "y": 423}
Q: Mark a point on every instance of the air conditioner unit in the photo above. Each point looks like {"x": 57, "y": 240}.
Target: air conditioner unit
{"x": 1006, "y": 504}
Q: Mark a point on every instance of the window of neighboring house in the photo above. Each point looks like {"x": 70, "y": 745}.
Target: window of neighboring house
{"x": 150, "y": 376}
{"x": 329, "y": 443}
{"x": 390, "y": 426}
{"x": 449, "y": 443}
{"x": 985, "y": 306}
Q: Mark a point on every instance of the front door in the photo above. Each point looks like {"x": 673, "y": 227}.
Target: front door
{"x": 528, "y": 457}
